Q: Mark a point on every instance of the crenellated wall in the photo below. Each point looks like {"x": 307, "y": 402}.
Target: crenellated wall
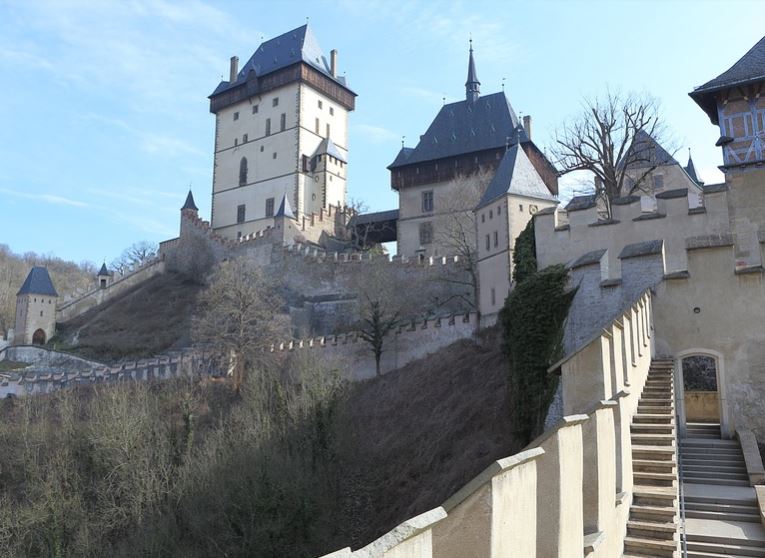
{"x": 82, "y": 302}
{"x": 563, "y": 237}
{"x": 569, "y": 492}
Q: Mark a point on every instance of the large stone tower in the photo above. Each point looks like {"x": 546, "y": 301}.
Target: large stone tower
{"x": 36, "y": 309}
{"x": 735, "y": 101}
{"x": 281, "y": 128}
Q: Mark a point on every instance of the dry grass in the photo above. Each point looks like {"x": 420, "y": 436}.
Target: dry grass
{"x": 153, "y": 317}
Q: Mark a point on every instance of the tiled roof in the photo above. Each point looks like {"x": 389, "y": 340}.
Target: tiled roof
{"x": 298, "y": 45}
{"x": 750, "y": 68}
{"x": 515, "y": 175}
{"x": 465, "y": 127}
{"x": 38, "y": 282}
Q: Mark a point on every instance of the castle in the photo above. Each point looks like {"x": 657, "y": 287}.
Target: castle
{"x": 659, "y": 404}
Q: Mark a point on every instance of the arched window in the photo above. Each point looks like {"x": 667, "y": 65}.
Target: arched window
{"x": 243, "y": 171}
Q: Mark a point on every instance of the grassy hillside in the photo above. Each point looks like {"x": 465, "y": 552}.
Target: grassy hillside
{"x": 190, "y": 469}
{"x": 150, "y": 318}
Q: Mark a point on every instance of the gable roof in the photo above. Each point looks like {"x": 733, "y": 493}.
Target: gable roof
{"x": 515, "y": 175}
{"x": 646, "y": 147}
{"x": 465, "y": 127}
{"x": 750, "y": 68}
{"x": 298, "y": 45}
{"x": 38, "y": 282}
{"x": 328, "y": 146}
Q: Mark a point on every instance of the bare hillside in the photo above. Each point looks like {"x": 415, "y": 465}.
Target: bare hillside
{"x": 152, "y": 317}
{"x": 420, "y": 433}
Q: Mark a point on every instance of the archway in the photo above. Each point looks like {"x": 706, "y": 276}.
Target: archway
{"x": 701, "y": 398}
{"x": 38, "y": 337}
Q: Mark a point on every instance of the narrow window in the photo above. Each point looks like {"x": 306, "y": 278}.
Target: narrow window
{"x": 426, "y": 233}
{"x": 244, "y": 138}
{"x": 491, "y": 213}
{"x": 283, "y": 121}
{"x": 327, "y": 129}
{"x": 305, "y": 163}
{"x": 240, "y": 214}
{"x": 331, "y": 111}
{"x": 483, "y": 217}
{"x": 274, "y": 156}
{"x": 320, "y": 104}
{"x": 270, "y": 207}
{"x": 427, "y": 201}
{"x": 499, "y": 209}
{"x": 488, "y": 243}
{"x": 276, "y": 101}
{"x": 268, "y": 126}
{"x": 520, "y": 207}
{"x": 236, "y": 142}
{"x": 658, "y": 182}
{"x": 236, "y": 115}
{"x": 254, "y": 109}
{"x": 496, "y": 239}
{"x": 262, "y": 147}
{"x": 238, "y": 235}
{"x": 243, "y": 171}
{"x": 493, "y": 296}
{"x": 317, "y": 126}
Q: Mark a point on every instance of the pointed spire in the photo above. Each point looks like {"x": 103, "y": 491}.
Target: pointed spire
{"x": 103, "y": 272}
{"x": 472, "y": 85}
{"x": 190, "y": 203}
{"x": 285, "y": 210}
{"x": 691, "y": 169}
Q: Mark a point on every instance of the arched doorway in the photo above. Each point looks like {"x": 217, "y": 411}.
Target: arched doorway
{"x": 38, "y": 337}
{"x": 702, "y": 402}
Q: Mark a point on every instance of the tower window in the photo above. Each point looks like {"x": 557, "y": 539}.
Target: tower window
{"x": 488, "y": 243}
{"x": 262, "y": 147}
{"x": 243, "y": 171}
{"x": 493, "y": 296}
{"x": 321, "y": 105}
{"x": 496, "y": 239}
{"x": 283, "y": 121}
{"x": 520, "y": 207}
{"x": 270, "y": 207}
{"x": 317, "y": 126}
{"x": 236, "y": 142}
{"x": 499, "y": 210}
{"x": 254, "y": 109}
{"x": 331, "y": 111}
{"x": 427, "y": 201}
{"x": 275, "y": 102}
{"x": 240, "y": 209}
{"x": 327, "y": 129}
{"x": 491, "y": 214}
{"x": 274, "y": 155}
{"x": 244, "y": 138}
{"x": 236, "y": 115}
{"x": 658, "y": 182}
{"x": 305, "y": 163}
{"x": 426, "y": 232}
{"x": 268, "y": 126}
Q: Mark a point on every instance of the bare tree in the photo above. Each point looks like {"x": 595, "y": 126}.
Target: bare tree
{"x": 239, "y": 317}
{"x": 455, "y": 232}
{"x": 615, "y": 138}
{"x": 135, "y": 255}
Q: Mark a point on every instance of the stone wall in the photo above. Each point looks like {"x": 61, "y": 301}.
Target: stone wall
{"x": 569, "y": 492}
{"x": 409, "y": 342}
{"x": 81, "y": 303}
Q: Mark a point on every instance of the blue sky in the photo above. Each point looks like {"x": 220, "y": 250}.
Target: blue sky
{"x": 104, "y": 117}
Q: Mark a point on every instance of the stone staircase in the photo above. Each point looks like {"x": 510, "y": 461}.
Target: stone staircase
{"x": 652, "y": 526}
{"x": 722, "y": 515}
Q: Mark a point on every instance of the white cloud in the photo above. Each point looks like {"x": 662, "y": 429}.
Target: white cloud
{"x": 376, "y": 134}
{"x": 47, "y": 198}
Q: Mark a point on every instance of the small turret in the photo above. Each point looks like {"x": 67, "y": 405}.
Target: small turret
{"x": 285, "y": 223}
{"x": 472, "y": 85}
{"x": 104, "y": 277}
{"x": 189, "y": 205}
{"x": 36, "y": 309}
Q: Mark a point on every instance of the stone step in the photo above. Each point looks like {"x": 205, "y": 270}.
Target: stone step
{"x": 661, "y": 531}
{"x": 723, "y": 515}
{"x": 649, "y": 428}
{"x": 640, "y": 545}
{"x": 745, "y": 508}
{"x": 653, "y": 409}
{"x": 729, "y": 550}
{"x": 744, "y": 502}
{"x": 654, "y": 476}
{"x": 653, "y": 513}
{"x": 653, "y": 439}
{"x": 720, "y": 482}
{"x": 717, "y": 444}
{"x": 655, "y": 418}
{"x": 714, "y": 473}
{"x": 657, "y": 496}
{"x": 727, "y": 468}
{"x": 654, "y": 466}
{"x": 654, "y": 453}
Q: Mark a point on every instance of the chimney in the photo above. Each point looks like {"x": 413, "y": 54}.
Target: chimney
{"x": 333, "y": 62}
{"x": 234, "y": 69}
{"x": 527, "y": 125}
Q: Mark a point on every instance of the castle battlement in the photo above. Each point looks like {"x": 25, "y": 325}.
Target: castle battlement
{"x": 580, "y": 234}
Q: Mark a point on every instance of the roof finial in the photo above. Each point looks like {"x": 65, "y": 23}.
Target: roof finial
{"x": 443, "y": 99}
{"x": 472, "y": 85}
{"x": 402, "y": 141}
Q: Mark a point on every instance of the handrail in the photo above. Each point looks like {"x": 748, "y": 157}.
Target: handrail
{"x": 678, "y": 459}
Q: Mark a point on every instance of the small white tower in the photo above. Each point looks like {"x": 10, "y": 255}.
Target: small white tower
{"x": 36, "y": 309}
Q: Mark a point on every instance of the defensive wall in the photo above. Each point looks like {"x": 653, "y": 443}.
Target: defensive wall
{"x": 411, "y": 341}
{"x": 569, "y": 492}
{"x": 54, "y": 370}
{"x": 82, "y": 302}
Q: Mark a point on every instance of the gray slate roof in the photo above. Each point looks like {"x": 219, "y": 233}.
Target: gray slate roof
{"x": 691, "y": 170}
{"x": 38, "y": 282}
{"x": 298, "y": 45}
{"x": 189, "y": 203}
{"x": 750, "y": 68}
{"x": 103, "y": 271}
{"x": 376, "y": 217}
{"x": 328, "y": 146}
{"x": 646, "y": 147}
{"x": 285, "y": 209}
{"x": 585, "y": 201}
{"x": 515, "y": 175}
{"x": 465, "y": 127}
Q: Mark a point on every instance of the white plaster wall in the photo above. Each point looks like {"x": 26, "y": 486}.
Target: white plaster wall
{"x": 34, "y": 312}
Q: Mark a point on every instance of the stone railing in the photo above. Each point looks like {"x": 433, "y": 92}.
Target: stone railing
{"x": 569, "y": 492}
